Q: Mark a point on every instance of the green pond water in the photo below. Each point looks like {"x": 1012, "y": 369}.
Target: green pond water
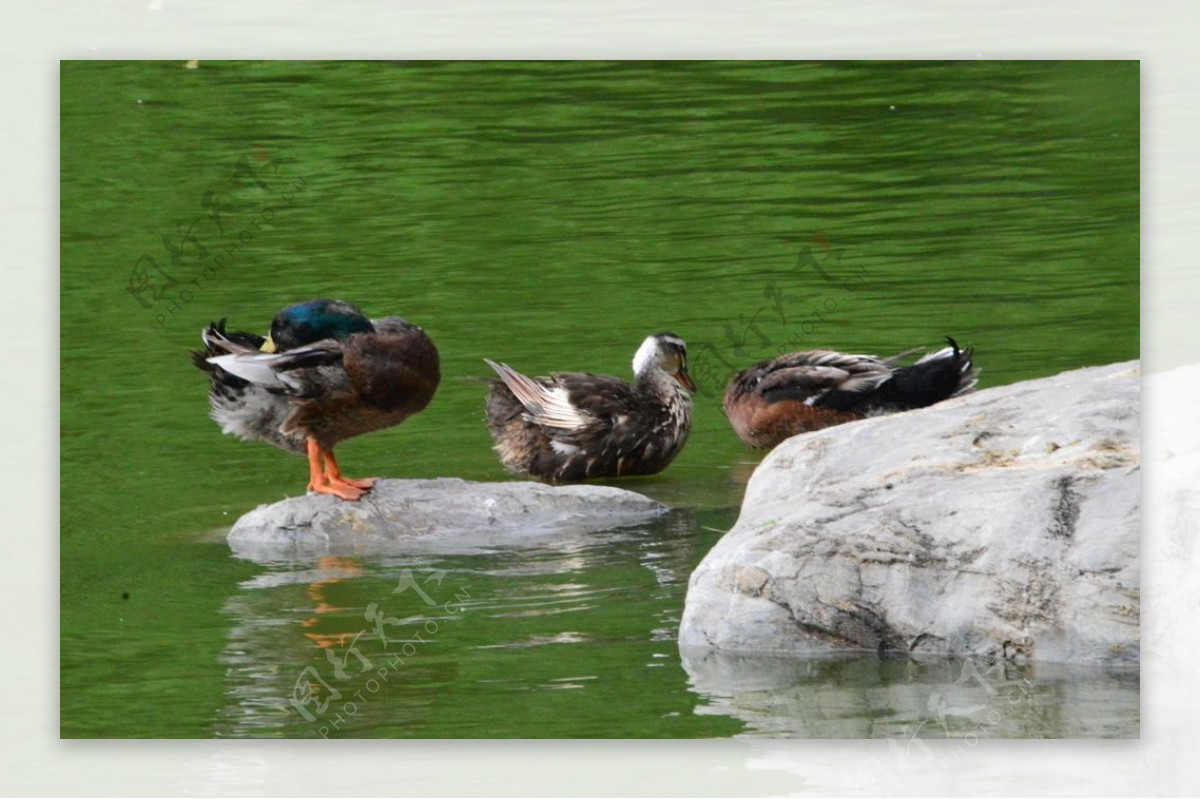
{"x": 550, "y": 215}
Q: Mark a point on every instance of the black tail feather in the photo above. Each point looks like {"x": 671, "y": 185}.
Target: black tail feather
{"x": 214, "y": 337}
{"x": 929, "y": 381}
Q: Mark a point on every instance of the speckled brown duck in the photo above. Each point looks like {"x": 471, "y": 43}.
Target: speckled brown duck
{"x": 805, "y": 391}
{"x": 577, "y": 426}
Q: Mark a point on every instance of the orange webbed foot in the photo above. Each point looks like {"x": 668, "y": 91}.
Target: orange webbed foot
{"x": 365, "y": 483}
{"x": 324, "y": 476}
{"x": 333, "y": 475}
{"x": 340, "y": 490}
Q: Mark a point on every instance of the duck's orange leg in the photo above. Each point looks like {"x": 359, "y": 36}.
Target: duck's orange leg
{"x": 319, "y": 481}
{"x": 333, "y": 473}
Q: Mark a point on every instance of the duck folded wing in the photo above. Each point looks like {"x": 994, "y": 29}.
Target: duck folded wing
{"x": 278, "y": 370}
{"x": 807, "y": 382}
{"x": 603, "y": 399}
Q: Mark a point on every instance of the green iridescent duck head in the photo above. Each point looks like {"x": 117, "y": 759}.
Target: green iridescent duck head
{"x": 315, "y": 320}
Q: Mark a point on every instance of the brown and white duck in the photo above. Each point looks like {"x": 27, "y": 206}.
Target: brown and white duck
{"x": 576, "y": 426}
{"x": 325, "y": 373}
{"x": 805, "y": 391}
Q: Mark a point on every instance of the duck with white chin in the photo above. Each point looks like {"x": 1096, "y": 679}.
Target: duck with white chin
{"x": 575, "y": 426}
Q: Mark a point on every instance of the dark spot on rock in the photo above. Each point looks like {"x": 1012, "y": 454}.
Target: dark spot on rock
{"x": 1066, "y": 508}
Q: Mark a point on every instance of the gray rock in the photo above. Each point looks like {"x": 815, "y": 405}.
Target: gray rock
{"x": 1000, "y": 524}
{"x": 445, "y": 513}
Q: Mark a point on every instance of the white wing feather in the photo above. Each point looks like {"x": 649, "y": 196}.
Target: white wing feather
{"x": 546, "y": 406}
{"x": 256, "y": 368}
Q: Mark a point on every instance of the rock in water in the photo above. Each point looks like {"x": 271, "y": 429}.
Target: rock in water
{"x": 1004, "y": 523}
{"x": 463, "y": 514}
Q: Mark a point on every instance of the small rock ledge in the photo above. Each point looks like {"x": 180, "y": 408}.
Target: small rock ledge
{"x": 398, "y": 512}
{"x": 1000, "y": 524}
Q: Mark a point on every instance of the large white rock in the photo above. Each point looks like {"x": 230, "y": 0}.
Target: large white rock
{"x": 1000, "y": 524}
{"x": 446, "y": 514}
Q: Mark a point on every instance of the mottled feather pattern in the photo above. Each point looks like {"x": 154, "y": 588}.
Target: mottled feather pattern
{"x": 810, "y": 390}
{"x": 578, "y": 426}
{"x": 240, "y": 408}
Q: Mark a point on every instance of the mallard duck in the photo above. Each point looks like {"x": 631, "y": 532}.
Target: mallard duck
{"x": 325, "y": 373}
{"x": 576, "y": 426}
{"x": 805, "y": 391}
